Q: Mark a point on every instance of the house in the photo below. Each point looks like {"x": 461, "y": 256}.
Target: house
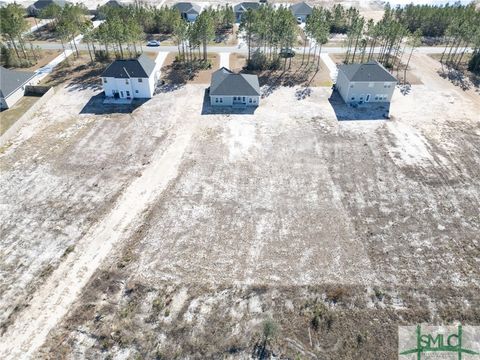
{"x": 102, "y": 10}
{"x": 301, "y": 11}
{"x": 243, "y": 7}
{"x": 37, "y": 6}
{"x": 228, "y": 88}
{"x": 114, "y": 4}
{"x": 368, "y": 82}
{"x": 187, "y": 10}
{"x": 12, "y": 86}
{"x": 132, "y": 78}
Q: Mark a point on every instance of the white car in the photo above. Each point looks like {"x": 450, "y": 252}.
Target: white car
{"x": 153, "y": 43}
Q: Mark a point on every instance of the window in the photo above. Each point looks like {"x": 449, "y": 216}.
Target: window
{"x": 216, "y": 100}
{"x": 140, "y": 80}
{"x": 136, "y": 91}
{"x": 387, "y": 85}
{"x": 353, "y": 97}
{"x": 351, "y": 85}
{"x": 376, "y": 97}
{"x": 221, "y": 100}
{"x": 250, "y": 100}
{"x": 128, "y": 93}
{"x": 126, "y": 81}
{"x": 105, "y": 80}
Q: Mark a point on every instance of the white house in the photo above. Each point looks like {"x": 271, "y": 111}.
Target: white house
{"x": 228, "y": 88}
{"x": 132, "y": 78}
{"x": 12, "y": 86}
{"x": 363, "y": 83}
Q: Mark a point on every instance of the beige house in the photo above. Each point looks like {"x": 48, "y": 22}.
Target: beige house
{"x": 363, "y": 83}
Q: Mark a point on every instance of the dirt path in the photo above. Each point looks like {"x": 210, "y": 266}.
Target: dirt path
{"x": 426, "y": 68}
{"x": 52, "y": 301}
{"x": 224, "y": 60}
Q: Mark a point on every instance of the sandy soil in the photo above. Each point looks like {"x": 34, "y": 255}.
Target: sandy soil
{"x": 189, "y": 230}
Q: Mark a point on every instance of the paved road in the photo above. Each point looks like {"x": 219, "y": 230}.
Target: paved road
{"x": 243, "y": 49}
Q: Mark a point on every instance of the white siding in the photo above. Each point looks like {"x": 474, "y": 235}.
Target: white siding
{"x": 137, "y": 89}
{"x": 229, "y": 101}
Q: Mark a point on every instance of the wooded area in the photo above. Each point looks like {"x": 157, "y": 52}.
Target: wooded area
{"x": 269, "y": 32}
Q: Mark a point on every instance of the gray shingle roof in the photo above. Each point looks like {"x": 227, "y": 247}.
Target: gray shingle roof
{"x": 226, "y": 83}
{"x": 301, "y": 9}
{"x": 41, "y": 4}
{"x": 371, "y": 71}
{"x": 188, "y": 8}
{"x": 114, "y": 4}
{"x": 131, "y": 68}
{"x": 11, "y": 80}
{"x": 244, "y": 6}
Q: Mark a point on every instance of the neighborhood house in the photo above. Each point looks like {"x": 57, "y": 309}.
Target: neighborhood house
{"x": 37, "y": 6}
{"x": 12, "y": 86}
{"x": 243, "y": 7}
{"x": 369, "y": 82}
{"x": 228, "y": 88}
{"x": 188, "y": 11}
{"x": 128, "y": 79}
{"x": 301, "y": 11}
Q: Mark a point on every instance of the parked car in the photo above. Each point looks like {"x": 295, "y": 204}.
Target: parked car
{"x": 153, "y": 43}
{"x": 299, "y": 20}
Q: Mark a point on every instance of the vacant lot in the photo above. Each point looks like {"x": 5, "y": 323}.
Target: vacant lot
{"x": 179, "y": 73}
{"x": 205, "y": 228}
{"x": 301, "y": 70}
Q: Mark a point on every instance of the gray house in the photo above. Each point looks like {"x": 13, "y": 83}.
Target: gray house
{"x": 188, "y": 10}
{"x": 12, "y": 86}
{"x": 228, "y": 88}
{"x": 243, "y": 7}
{"x": 369, "y": 82}
{"x": 37, "y": 6}
{"x": 301, "y": 11}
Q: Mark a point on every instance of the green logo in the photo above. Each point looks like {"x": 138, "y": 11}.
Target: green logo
{"x": 440, "y": 340}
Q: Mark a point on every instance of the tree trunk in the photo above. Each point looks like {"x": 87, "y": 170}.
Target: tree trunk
{"x": 319, "y": 53}
{"x": 304, "y": 46}
{"x": 14, "y": 46}
{"x": 406, "y": 67}
{"x": 89, "y": 52}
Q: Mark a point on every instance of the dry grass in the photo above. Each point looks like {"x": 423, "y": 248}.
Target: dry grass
{"x": 295, "y": 74}
{"x": 173, "y": 73}
{"x": 77, "y": 72}
{"x": 10, "y": 116}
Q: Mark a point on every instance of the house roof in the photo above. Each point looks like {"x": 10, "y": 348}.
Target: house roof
{"x": 114, "y": 4}
{"x": 41, "y": 4}
{"x": 244, "y": 6}
{"x": 301, "y": 9}
{"x": 130, "y": 68}
{"x": 370, "y": 71}
{"x": 11, "y": 80}
{"x": 227, "y": 83}
{"x": 187, "y": 8}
